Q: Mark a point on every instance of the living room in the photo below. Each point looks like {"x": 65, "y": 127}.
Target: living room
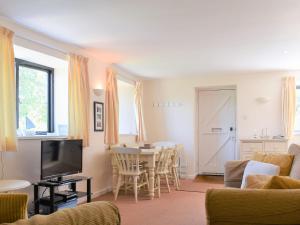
{"x": 216, "y": 81}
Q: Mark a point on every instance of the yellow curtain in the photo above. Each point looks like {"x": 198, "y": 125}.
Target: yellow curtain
{"x": 111, "y": 131}
{"x": 288, "y": 105}
{"x": 138, "y": 100}
{"x": 8, "y": 131}
{"x": 79, "y": 99}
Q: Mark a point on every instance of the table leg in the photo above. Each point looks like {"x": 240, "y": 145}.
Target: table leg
{"x": 89, "y": 190}
{"x": 36, "y": 200}
{"x": 52, "y": 200}
{"x": 151, "y": 182}
{"x": 151, "y": 170}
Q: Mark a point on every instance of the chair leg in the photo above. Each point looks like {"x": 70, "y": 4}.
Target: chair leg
{"x": 158, "y": 185}
{"x": 125, "y": 184}
{"x": 175, "y": 175}
{"x": 135, "y": 188}
{"x": 147, "y": 181}
{"x": 118, "y": 186}
{"x": 167, "y": 180}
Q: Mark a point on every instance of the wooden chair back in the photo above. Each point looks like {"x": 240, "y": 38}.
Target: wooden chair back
{"x": 164, "y": 159}
{"x": 127, "y": 160}
{"x": 175, "y": 158}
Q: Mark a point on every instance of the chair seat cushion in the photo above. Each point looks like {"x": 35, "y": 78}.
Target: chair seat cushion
{"x": 284, "y": 161}
{"x": 259, "y": 168}
{"x": 257, "y": 181}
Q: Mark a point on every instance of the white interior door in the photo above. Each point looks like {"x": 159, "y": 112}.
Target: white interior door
{"x": 217, "y": 133}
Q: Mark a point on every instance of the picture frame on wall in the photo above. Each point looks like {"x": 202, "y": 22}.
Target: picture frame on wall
{"x": 98, "y": 116}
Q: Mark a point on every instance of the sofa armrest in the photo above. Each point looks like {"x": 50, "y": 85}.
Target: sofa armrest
{"x": 234, "y": 171}
{"x": 94, "y": 213}
{"x": 252, "y": 206}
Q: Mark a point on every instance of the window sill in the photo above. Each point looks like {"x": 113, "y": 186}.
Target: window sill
{"x": 41, "y": 137}
{"x": 124, "y": 135}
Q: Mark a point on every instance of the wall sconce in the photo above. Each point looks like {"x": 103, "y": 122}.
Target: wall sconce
{"x": 98, "y": 92}
{"x": 262, "y": 100}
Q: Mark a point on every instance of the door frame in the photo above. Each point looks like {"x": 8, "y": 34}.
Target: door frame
{"x": 196, "y": 125}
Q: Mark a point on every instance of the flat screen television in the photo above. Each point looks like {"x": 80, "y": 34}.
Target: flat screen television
{"x": 60, "y": 158}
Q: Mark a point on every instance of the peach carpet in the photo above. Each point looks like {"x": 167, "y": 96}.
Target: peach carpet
{"x": 184, "y": 207}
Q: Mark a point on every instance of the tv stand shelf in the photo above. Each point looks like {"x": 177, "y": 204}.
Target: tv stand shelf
{"x": 57, "y": 198}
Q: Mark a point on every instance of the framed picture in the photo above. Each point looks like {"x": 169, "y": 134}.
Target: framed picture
{"x": 98, "y": 116}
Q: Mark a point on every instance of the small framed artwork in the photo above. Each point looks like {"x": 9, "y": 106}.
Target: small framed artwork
{"x": 98, "y": 116}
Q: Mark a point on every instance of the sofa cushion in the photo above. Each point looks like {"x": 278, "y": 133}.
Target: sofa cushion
{"x": 281, "y": 182}
{"x": 257, "y": 181}
{"x": 233, "y": 173}
{"x": 284, "y": 161}
{"x": 295, "y": 170}
{"x": 259, "y": 168}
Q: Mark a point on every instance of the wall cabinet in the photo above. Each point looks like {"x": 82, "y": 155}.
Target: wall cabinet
{"x": 249, "y": 146}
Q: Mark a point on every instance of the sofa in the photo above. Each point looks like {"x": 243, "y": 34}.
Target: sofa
{"x": 235, "y": 206}
{"x": 95, "y": 213}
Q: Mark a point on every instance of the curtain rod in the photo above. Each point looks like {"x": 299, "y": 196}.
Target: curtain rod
{"x": 42, "y": 44}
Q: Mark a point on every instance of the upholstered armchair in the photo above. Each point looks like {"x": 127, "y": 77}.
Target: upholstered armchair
{"x": 234, "y": 170}
{"x": 235, "y": 206}
{"x": 13, "y": 206}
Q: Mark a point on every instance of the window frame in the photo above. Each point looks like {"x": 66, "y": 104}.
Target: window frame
{"x": 50, "y": 72}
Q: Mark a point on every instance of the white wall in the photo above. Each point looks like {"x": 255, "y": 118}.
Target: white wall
{"x": 177, "y": 122}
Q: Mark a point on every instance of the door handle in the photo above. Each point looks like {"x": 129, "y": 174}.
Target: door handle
{"x": 231, "y": 128}
{"x": 216, "y": 129}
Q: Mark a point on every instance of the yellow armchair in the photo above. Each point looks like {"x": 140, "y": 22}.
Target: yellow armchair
{"x": 13, "y": 206}
{"x": 253, "y": 206}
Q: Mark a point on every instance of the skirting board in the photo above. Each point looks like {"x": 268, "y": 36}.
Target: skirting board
{"x": 96, "y": 194}
{"x": 188, "y": 176}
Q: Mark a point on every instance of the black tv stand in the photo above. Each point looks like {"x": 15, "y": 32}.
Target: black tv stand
{"x": 58, "y": 198}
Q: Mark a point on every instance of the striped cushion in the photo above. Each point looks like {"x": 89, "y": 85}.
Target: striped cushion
{"x": 13, "y": 207}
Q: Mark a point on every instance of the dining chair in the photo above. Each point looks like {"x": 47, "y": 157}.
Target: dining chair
{"x": 173, "y": 168}
{"x": 174, "y": 164}
{"x": 129, "y": 166}
{"x": 162, "y": 168}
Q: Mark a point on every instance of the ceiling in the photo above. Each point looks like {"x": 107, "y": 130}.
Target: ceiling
{"x": 168, "y": 38}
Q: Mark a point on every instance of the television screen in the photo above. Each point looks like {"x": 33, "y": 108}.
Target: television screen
{"x": 60, "y": 157}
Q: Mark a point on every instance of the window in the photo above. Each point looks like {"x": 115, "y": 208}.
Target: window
{"x": 297, "y": 119}
{"x": 127, "y": 123}
{"x": 35, "y": 94}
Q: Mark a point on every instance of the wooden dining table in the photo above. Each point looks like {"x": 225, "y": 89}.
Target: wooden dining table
{"x": 146, "y": 155}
